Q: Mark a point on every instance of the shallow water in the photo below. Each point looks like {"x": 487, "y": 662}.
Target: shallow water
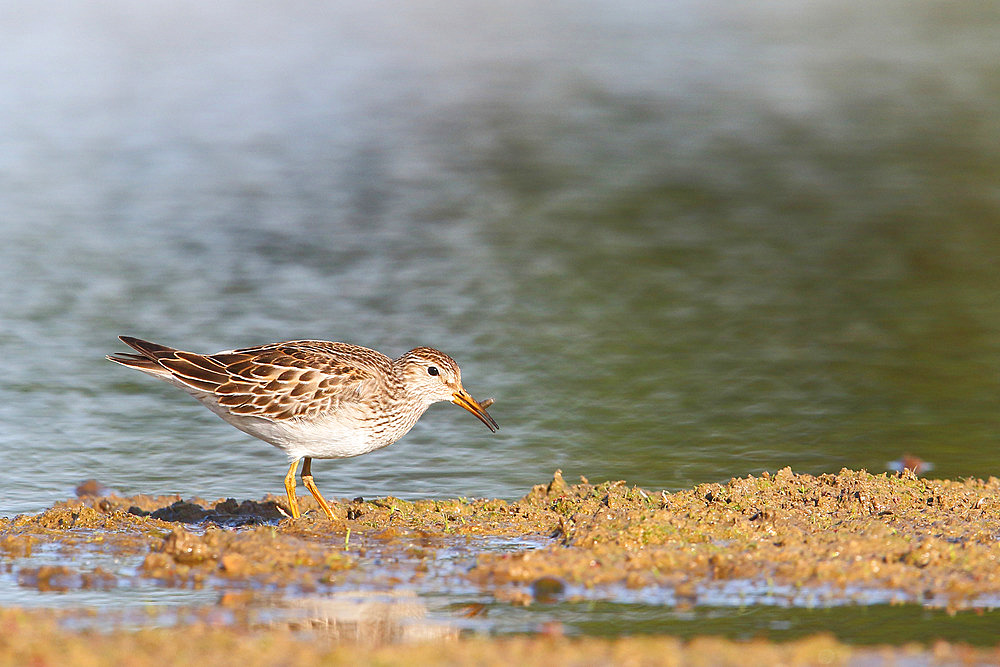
{"x": 677, "y": 243}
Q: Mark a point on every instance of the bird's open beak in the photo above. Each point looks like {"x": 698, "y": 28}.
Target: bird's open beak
{"x": 463, "y": 399}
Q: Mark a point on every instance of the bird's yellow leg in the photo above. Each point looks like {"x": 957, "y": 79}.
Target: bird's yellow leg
{"x": 307, "y": 479}
{"x": 293, "y": 504}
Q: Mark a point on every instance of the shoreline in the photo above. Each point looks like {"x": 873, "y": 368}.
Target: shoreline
{"x": 932, "y": 543}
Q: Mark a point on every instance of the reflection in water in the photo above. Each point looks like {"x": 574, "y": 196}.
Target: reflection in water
{"x": 371, "y": 618}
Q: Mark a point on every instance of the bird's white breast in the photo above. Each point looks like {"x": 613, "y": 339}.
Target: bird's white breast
{"x": 328, "y": 437}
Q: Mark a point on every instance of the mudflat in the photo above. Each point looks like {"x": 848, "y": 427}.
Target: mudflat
{"x": 932, "y": 542}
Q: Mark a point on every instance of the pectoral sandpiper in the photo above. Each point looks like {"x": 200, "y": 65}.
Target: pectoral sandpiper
{"x": 312, "y": 398}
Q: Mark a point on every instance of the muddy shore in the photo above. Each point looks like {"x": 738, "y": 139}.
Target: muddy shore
{"x": 930, "y": 542}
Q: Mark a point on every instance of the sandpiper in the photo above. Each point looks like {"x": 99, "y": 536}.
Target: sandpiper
{"x": 312, "y": 398}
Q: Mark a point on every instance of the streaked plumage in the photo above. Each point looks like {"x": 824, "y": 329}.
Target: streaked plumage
{"x": 312, "y": 398}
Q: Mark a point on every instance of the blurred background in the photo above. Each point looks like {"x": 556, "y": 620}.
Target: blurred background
{"x": 677, "y": 242}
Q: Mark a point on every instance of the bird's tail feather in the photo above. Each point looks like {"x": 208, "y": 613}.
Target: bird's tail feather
{"x": 148, "y": 358}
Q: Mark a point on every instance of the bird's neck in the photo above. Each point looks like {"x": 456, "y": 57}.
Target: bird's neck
{"x": 407, "y": 406}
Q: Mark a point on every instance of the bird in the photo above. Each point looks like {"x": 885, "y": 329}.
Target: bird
{"x": 311, "y": 398}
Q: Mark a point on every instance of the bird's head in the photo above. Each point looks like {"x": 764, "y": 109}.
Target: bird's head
{"x": 432, "y": 376}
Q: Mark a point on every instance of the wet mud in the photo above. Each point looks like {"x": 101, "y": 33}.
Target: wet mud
{"x": 934, "y": 542}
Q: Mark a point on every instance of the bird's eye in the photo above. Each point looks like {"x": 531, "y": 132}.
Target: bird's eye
{"x": 432, "y": 370}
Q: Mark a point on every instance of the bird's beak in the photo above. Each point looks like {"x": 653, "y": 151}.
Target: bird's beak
{"x": 462, "y": 398}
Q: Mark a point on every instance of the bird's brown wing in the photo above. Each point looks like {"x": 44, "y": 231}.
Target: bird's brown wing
{"x": 278, "y": 381}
